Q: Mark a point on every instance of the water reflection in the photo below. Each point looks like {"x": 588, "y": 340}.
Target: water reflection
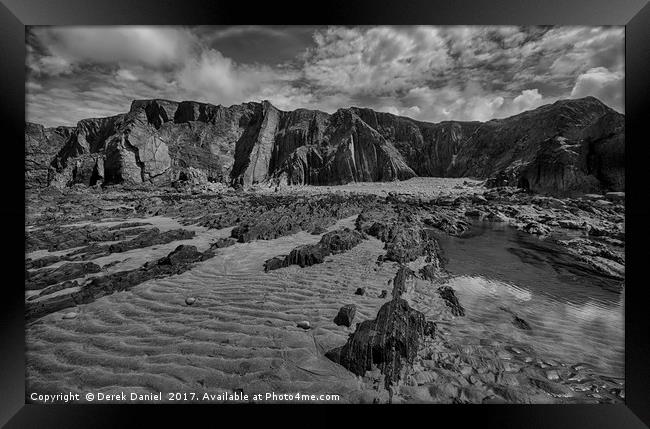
{"x": 576, "y": 315}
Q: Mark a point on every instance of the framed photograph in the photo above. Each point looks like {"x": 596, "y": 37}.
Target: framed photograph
{"x": 392, "y": 204}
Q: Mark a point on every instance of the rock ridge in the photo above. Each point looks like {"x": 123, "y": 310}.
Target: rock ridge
{"x": 567, "y": 147}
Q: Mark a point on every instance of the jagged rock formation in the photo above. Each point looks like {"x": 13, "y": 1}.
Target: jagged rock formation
{"x": 567, "y": 146}
{"x": 390, "y": 341}
{"x": 41, "y": 146}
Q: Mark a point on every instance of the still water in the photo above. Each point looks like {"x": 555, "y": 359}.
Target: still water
{"x": 576, "y": 315}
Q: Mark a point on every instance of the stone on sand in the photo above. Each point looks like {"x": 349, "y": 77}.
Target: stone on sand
{"x": 345, "y": 315}
{"x": 303, "y": 324}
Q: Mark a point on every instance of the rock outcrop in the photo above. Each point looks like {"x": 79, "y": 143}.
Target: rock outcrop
{"x": 568, "y": 147}
{"x": 390, "y": 341}
{"x": 41, "y": 146}
{"x": 333, "y": 242}
{"x": 565, "y": 147}
{"x": 178, "y": 261}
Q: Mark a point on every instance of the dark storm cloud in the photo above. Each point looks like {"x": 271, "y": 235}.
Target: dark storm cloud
{"x": 428, "y": 73}
{"x": 258, "y": 44}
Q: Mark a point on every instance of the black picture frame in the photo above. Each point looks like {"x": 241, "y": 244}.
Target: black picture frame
{"x": 634, "y": 14}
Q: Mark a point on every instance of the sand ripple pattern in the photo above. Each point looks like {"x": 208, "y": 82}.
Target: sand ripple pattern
{"x": 240, "y": 334}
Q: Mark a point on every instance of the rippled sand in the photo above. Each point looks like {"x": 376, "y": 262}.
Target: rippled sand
{"x": 240, "y": 334}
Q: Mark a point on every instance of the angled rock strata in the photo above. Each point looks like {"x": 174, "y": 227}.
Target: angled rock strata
{"x": 561, "y": 148}
{"x": 178, "y": 261}
{"x": 333, "y": 242}
{"x": 390, "y": 341}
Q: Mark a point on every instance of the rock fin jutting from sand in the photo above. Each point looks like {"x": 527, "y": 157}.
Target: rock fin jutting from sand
{"x": 332, "y": 243}
{"x": 178, "y": 261}
{"x": 390, "y": 341}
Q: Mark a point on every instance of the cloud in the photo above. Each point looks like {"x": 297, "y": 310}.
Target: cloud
{"x": 424, "y": 72}
{"x": 240, "y": 30}
{"x": 528, "y": 99}
{"x": 603, "y": 84}
{"x": 52, "y": 66}
{"x": 585, "y": 48}
{"x": 125, "y": 74}
{"x": 151, "y": 46}
{"x": 33, "y": 86}
{"x": 374, "y": 60}
{"x": 219, "y": 79}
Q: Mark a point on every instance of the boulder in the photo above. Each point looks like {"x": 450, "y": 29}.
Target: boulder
{"x": 430, "y": 271}
{"x": 449, "y": 296}
{"x": 405, "y": 246}
{"x": 181, "y": 255}
{"x": 340, "y": 240}
{"x": 306, "y": 255}
{"x": 274, "y": 263}
{"x": 345, "y": 315}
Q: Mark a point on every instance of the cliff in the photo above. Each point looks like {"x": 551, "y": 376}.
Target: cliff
{"x": 565, "y": 147}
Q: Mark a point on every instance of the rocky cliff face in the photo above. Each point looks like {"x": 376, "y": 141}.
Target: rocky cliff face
{"x": 41, "y": 146}
{"x": 347, "y": 150}
{"x": 568, "y": 146}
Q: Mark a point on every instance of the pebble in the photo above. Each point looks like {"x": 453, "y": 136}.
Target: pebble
{"x": 190, "y": 300}
{"x": 303, "y": 324}
{"x": 71, "y": 315}
{"x": 552, "y": 375}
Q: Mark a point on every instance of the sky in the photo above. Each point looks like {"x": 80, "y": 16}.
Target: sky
{"x": 428, "y": 73}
